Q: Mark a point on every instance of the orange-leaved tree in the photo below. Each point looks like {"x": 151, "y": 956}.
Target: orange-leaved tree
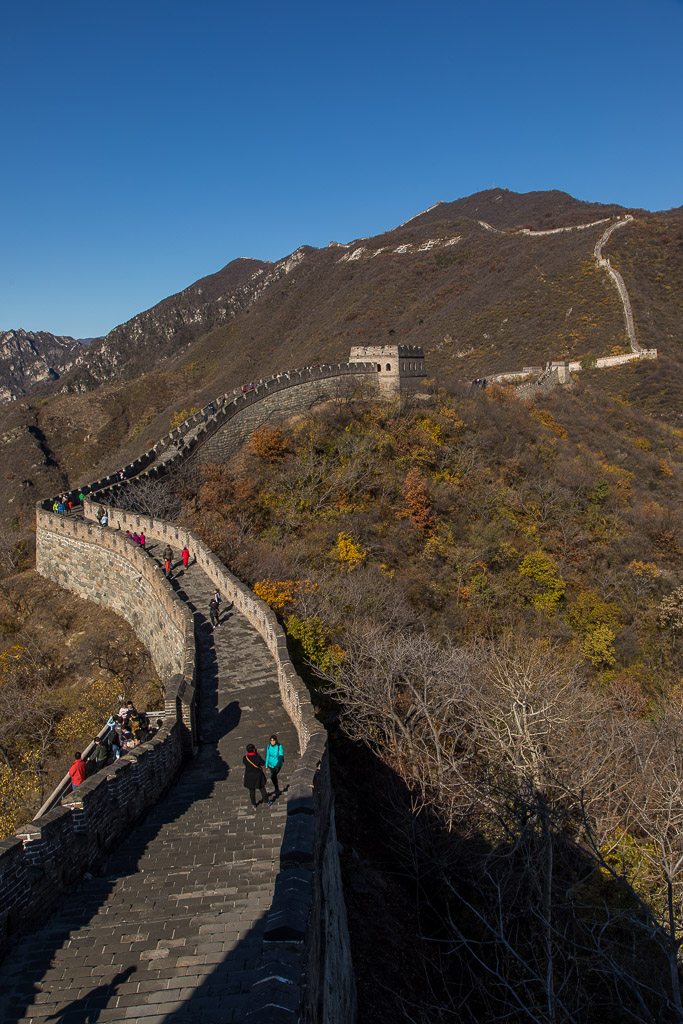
{"x": 269, "y": 443}
{"x": 417, "y": 501}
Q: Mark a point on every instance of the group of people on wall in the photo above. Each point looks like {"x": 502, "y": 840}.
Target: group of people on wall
{"x": 129, "y": 728}
{"x": 124, "y": 731}
{"x": 254, "y": 777}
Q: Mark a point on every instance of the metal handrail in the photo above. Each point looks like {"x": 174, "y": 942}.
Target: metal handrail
{"x": 64, "y": 786}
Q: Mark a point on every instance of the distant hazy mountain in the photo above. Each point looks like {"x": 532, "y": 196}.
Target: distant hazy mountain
{"x": 149, "y": 338}
{"x": 30, "y": 357}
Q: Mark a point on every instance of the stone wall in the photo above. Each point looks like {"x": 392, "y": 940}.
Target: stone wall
{"x": 306, "y": 966}
{"x": 58, "y": 848}
{"x": 295, "y": 696}
{"x": 306, "y": 956}
{"x": 275, "y": 406}
{"x": 105, "y": 567}
{"x": 306, "y": 960}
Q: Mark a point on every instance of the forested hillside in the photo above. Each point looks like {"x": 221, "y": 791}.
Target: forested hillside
{"x": 487, "y": 593}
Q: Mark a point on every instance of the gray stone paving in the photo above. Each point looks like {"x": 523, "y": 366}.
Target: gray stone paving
{"x": 171, "y": 928}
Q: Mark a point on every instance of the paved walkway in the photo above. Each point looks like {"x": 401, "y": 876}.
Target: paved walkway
{"x": 171, "y": 928}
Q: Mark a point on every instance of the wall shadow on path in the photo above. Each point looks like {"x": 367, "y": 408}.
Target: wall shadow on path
{"x": 225, "y": 993}
{"x": 88, "y": 1009}
{"x": 23, "y": 971}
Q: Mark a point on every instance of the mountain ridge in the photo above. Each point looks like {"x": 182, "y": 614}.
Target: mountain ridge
{"x": 478, "y": 301}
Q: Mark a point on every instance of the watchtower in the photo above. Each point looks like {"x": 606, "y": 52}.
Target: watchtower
{"x": 400, "y": 368}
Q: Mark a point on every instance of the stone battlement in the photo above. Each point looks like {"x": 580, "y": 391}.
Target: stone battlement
{"x": 230, "y": 419}
{"x": 306, "y": 923}
{"x": 305, "y": 929}
{"x": 306, "y": 920}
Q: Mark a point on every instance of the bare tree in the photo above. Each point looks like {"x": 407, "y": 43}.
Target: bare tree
{"x": 539, "y": 781}
{"x": 156, "y": 497}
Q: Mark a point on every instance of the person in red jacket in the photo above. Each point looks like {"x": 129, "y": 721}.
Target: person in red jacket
{"x": 186, "y": 556}
{"x": 77, "y": 770}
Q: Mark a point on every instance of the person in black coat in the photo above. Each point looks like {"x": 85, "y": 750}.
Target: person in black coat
{"x": 253, "y": 775}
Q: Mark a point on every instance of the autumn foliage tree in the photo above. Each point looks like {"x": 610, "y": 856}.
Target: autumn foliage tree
{"x": 417, "y": 504}
{"x": 505, "y": 658}
{"x": 269, "y": 443}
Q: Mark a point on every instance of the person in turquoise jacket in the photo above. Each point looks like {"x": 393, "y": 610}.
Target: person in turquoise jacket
{"x": 275, "y": 757}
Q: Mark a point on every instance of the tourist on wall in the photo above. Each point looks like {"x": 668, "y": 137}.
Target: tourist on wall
{"x": 77, "y": 770}
{"x": 214, "y": 605}
{"x": 168, "y": 554}
{"x": 145, "y": 732}
{"x": 116, "y": 735}
{"x": 275, "y": 757}
{"x": 253, "y": 775}
{"x": 185, "y": 556}
{"x": 135, "y": 729}
{"x": 100, "y": 754}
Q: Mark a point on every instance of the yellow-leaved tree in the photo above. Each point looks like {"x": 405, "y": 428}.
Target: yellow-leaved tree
{"x": 350, "y": 554}
{"x": 88, "y": 711}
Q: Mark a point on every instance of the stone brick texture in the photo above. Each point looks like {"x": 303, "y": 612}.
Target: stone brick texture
{"x": 293, "y": 963}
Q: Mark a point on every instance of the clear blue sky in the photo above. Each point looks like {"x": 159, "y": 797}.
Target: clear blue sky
{"x": 147, "y": 144}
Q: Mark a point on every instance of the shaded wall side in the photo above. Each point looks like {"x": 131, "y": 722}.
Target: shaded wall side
{"x": 300, "y": 397}
{"x": 306, "y": 941}
{"x": 105, "y": 567}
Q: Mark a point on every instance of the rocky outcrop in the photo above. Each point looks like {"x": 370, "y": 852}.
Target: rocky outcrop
{"x": 30, "y": 357}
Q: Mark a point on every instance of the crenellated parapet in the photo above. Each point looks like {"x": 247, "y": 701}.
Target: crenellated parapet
{"x": 305, "y": 932}
{"x": 225, "y": 424}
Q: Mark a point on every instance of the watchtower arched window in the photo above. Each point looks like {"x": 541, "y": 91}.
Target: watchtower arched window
{"x": 388, "y": 366}
{"x": 379, "y": 367}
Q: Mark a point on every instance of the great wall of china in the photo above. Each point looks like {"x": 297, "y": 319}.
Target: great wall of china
{"x": 243, "y": 915}
{"x": 255, "y": 928}
{"x": 558, "y": 371}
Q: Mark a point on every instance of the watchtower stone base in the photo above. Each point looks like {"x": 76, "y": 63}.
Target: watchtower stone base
{"x": 400, "y": 368}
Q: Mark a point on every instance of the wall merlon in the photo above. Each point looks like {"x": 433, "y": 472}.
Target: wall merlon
{"x": 100, "y": 564}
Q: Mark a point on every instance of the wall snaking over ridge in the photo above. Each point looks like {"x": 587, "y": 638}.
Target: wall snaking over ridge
{"x": 57, "y": 848}
{"x": 305, "y": 957}
{"x": 306, "y": 935}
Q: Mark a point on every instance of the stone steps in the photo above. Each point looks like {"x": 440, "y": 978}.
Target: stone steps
{"x": 171, "y": 928}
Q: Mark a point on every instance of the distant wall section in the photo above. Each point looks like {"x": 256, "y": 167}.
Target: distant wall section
{"x": 294, "y": 392}
{"x": 103, "y": 566}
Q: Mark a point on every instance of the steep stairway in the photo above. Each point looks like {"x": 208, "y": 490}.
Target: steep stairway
{"x": 171, "y": 927}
